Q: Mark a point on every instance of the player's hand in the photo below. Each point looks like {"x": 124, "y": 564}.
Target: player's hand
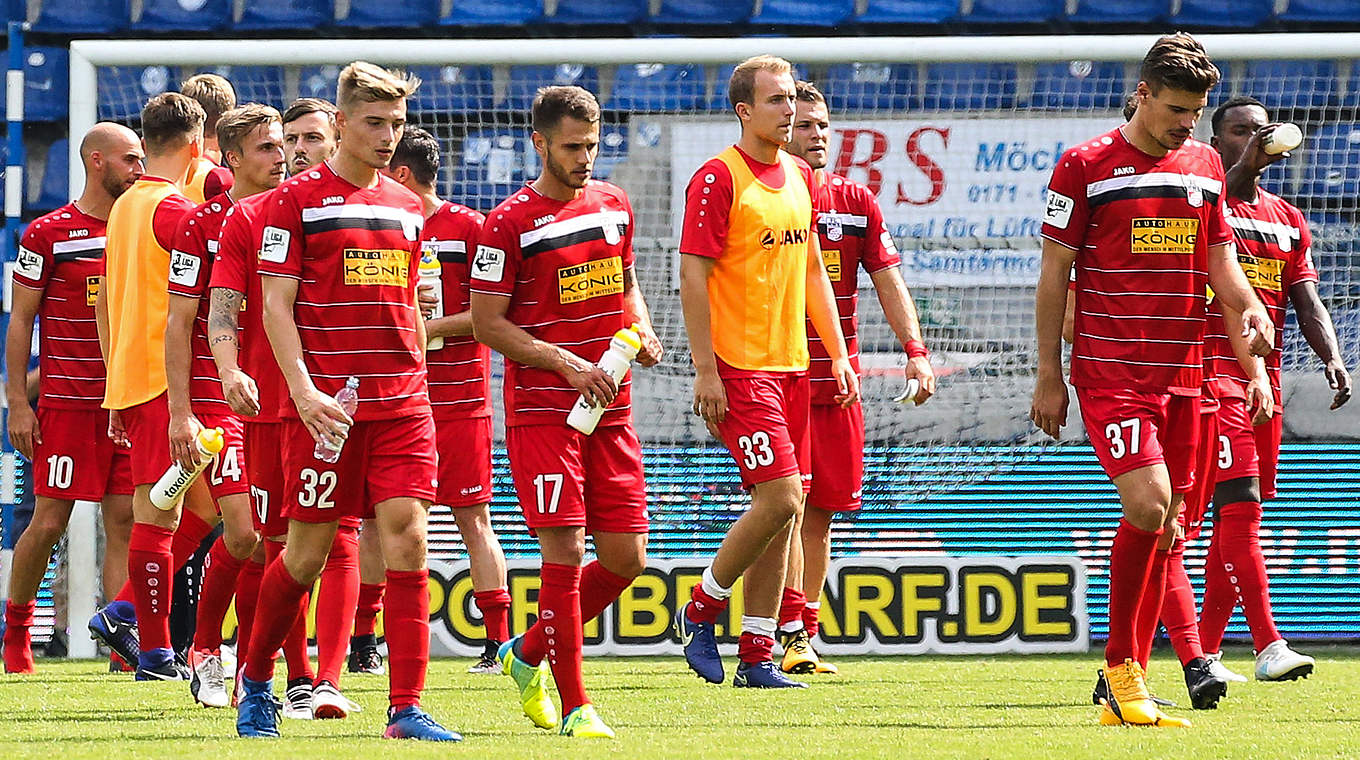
{"x": 241, "y": 393}
{"x": 1048, "y": 409}
{"x": 184, "y": 440}
{"x": 920, "y": 369}
{"x": 594, "y": 384}
{"x": 1254, "y": 157}
{"x": 118, "y": 433}
{"x": 710, "y": 400}
{"x": 1260, "y": 400}
{"x": 651, "y": 352}
{"x": 1258, "y": 330}
{"x": 24, "y": 434}
{"x": 1337, "y": 377}
{"x": 322, "y": 416}
{"x": 427, "y": 299}
{"x": 847, "y": 382}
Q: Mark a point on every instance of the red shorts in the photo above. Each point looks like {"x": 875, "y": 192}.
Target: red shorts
{"x": 227, "y": 474}
{"x": 566, "y": 479}
{"x": 382, "y": 459}
{"x": 66, "y": 466}
{"x": 1268, "y": 452}
{"x": 264, "y": 469}
{"x": 1206, "y": 469}
{"x": 464, "y": 461}
{"x": 1236, "y": 443}
{"x": 766, "y": 427}
{"x": 1134, "y": 429}
{"x": 148, "y": 430}
{"x": 837, "y": 443}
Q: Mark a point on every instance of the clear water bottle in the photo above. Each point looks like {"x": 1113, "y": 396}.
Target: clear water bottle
{"x": 431, "y": 278}
{"x": 623, "y": 349}
{"x": 327, "y": 449}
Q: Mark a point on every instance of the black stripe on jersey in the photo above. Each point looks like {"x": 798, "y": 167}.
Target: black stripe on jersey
{"x": 91, "y": 255}
{"x": 453, "y": 257}
{"x": 847, "y": 228}
{"x": 1255, "y": 235}
{"x": 1150, "y": 191}
{"x": 350, "y": 223}
{"x": 569, "y": 239}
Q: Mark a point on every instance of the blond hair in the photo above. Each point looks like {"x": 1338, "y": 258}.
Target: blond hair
{"x": 214, "y": 93}
{"x": 741, "y": 88}
{"x": 365, "y": 82}
{"x": 235, "y": 124}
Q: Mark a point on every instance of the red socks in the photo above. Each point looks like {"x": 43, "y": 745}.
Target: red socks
{"x": 274, "y": 619}
{"x": 810, "y": 624}
{"x": 408, "y": 635}
{"x": 220, "y": 573}
{"x": 791, "y": 607}
{"x": 754, "y": 648}
{"x": 1178, "y": 608}
{"x": 151, "y": 574}
{"x": 1150, "y": 608}
{"x": 1219, "y": 597}
{"x": 247, "y": 597}
{"x": 370, "y": 604}
{"x": 599, "y": 588}
{"x": 191, "y": 532}
{"x": 557, "y": 634}
{"x": 704, "y": 607}
{"x": 18, "y": 644}
{"x": 1130, "y": 563}
{"x": 495, "y": 608}
{"x": 1245, "y": 567}
{"x": 295, "y": 642}
{"x": 335, "y": 603}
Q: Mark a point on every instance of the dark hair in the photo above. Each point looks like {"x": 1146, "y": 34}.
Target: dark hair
{"x": 1130, "y": 105}
{"x": 552, "y": 104}
{"x": 1178, "y": 61}
{"x": 170, "y": 120}
{"x": 303, "y": 106}
{"x": 418, "y": 151}
{"x": 808, "y": 92}
{"x": 1221, "y": 112}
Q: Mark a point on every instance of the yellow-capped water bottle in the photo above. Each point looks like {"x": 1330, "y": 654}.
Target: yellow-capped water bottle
{"x": 431, "y": 279}
{"x": 167, "y": 491}
{"x": 623, "y": 349}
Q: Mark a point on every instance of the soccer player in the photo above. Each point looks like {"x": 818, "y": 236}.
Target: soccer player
{"x": 851, "y": 234}
{"x": 1274, "y": 250}
{"x": 552, "y": 281}
{"x": 252, "y": 143}
{"x": 1140, "y": 210}
{"x": 751, "y": 276}
{"x": 130, "y": 312}
{"x": 216, "y": 96}
{"x": 73, "y": 458}
{"x": 460, "y": 373}
{"x": 339, "y": 258}
{"x": 308, "y": 133}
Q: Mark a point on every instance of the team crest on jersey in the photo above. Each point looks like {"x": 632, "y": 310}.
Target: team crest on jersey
{"x": 1176, "y": 236}
{"x": 488, "y": 264}
{"x": 183, "y": 269}
{"x": 29, "y": 264}
{"x": 834, "y": 230}
{"x": 274, "y": 245}
{"x": 1193, "y": 194}
{"x": 383, "y": 266}
{"x": 602, "y": 277}
{"x": 91, "y": 289}
{"x": 831, "y": 259}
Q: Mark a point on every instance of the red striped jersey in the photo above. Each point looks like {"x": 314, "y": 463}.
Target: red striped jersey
{"x": 561, "y": 264}
{"x": 355, "y": 252}
{"x": 1274, "y": 248}
{"x": 61, "y": 256}
{"x": 191, "y": 265}
{"x": 460, "y": 372}
{"x": 852, "y": 234}
{"x": 1141, "y": 226}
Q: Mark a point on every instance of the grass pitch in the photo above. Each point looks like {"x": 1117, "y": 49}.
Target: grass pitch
{"x": 927, "y": 707}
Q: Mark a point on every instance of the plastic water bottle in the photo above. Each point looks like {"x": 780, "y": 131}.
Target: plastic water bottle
{"x": 432, "y": 277}
{"x": 166, "y": 493}
{"x": 623, "y": 349}
{"x": 328, "y": 450}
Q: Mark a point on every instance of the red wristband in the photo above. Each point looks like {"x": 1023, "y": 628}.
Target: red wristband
{"x": 915, "y": 349}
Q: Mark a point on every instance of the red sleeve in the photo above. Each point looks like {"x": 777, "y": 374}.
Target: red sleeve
{"x": 629, "y": 257}
{"x": 281, "y": 241}
{"x": 880, "y": 252}
{"x": 218, "y": 181}
{"x": 229, "y": 270}
{"x": 1217, "y": 230}
{"x": 1301, "y": 267}
{"x": 33, "y": 267}
{"x": 1066, "y": 212}
{"x": 708, "y": 202}
{"x": 165, "y": 220}
{"x": 809, "y": 179}
{"x": 189, "y": 264}
{"x": 495, "y": 265}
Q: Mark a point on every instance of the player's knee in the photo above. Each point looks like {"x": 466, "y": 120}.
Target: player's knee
{"x": 628, "y": 565}
{"x": 305, "y": 566}
{"x": 241, "y": 545}
{"x": 1148, "y": 513}
{"x": 46, "y": 529}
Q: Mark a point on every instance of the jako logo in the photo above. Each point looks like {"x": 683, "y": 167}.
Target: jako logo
{"x": 769, "y": 237}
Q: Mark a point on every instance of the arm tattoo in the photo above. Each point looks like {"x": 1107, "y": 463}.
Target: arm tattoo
{"x": 223, "y": 310}
{"x": 629, "y": 279}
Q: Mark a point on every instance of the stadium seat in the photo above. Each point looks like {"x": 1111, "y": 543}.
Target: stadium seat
{"x": 492, "y": 164}
{"x": 1343, "y": 11}
{"x": 613, "y": 150}
{"x": 1224, "y": 13}
{"x": 451, "y": 88}
{"x": 46, "y": 93}
{"x": 184, "y": 15}
{"x": 493, "y": 13}
{"x": 703, "y": 11}
{"x": 1016, "y": 11}
{"x": 600, "y": 11}
{"x": 724, "y": 74}
{"x": 1121, "y": 11}
{"x": 1291, "y": 84}
{"x": 804, "y": 12}
{"x": 318, "y": 82}
{"x": 286, "y": 14}
{"x": 1078, "y": 85}
{"x": 253, "y": 84}
{"x": 658, "y": 87}
{"x": 56, "y": 177}
{"x": 871, "y": 86}
{"x": 82, "y": 17}
{"x": 382, "y": 14}
{"x": 1331, "y": 168}
{"x": 908, "y": 11}
{"x": 525, "y": 81}
{"x": 969, "y": 86}
{"x": 123, "y": 90}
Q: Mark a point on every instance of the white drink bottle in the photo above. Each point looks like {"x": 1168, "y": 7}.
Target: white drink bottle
{"x": 432, "y": 278}
{"x": 166, "y": 493}
{"x": 623, "y": 349}
{"x": 1283, "y": 138}
{"x": 328, "y": 450}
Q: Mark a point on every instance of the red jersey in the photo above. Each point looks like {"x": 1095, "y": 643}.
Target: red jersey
{"x": 852, "y": 234}
{"x": 191, "y": 265}
{"x": 1274, "y": 248}
{"x": 61, "y": 256}
{"x": 237, "y": 268}
{"x": 355, "y": 252}
{"x": 708, "y": 201}
{"x": 1141, "y": 226}
{"x": 561, "y": 264}
{"x": 460, "y": 372}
